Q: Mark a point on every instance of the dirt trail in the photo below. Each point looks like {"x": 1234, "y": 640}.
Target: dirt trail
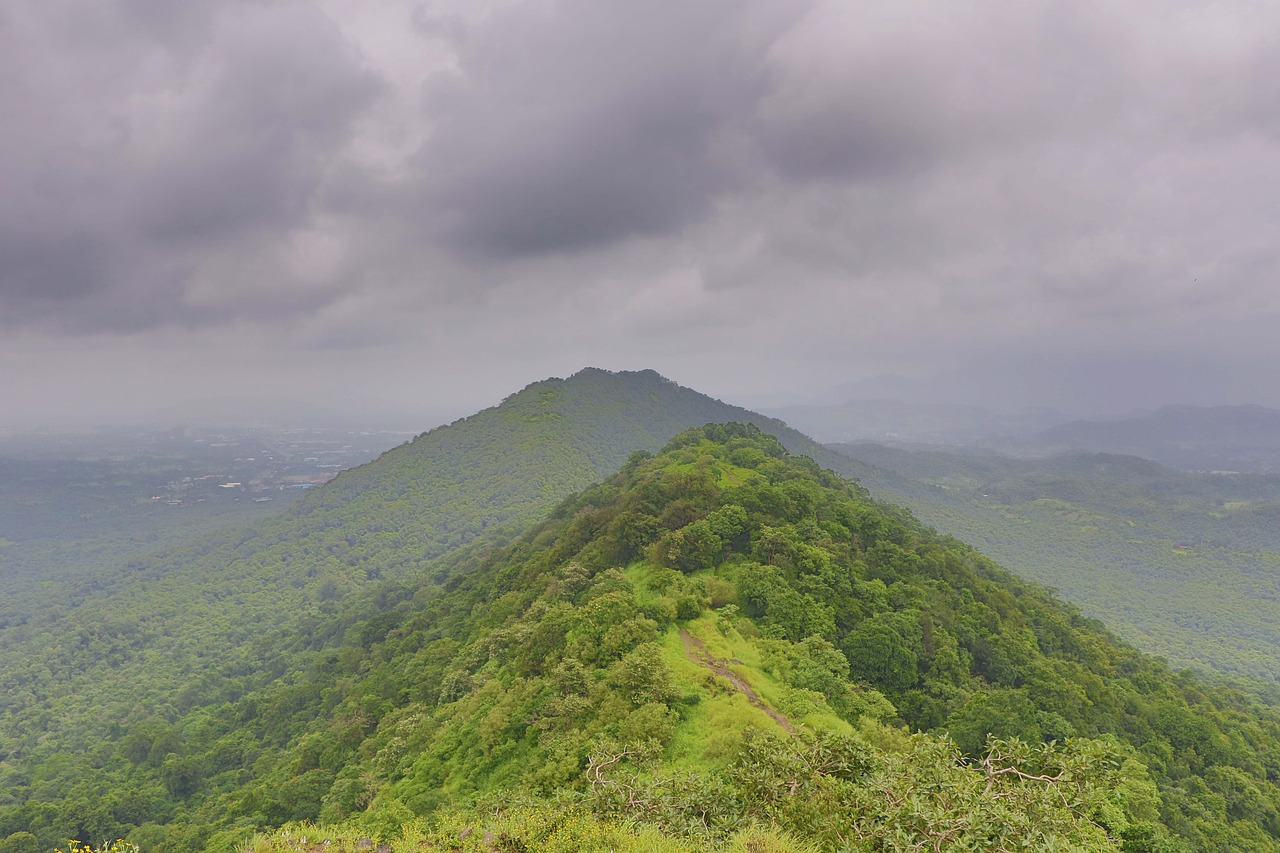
{"x": 696, "y": 651}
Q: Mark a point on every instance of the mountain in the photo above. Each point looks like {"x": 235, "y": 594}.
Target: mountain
{"x": 897, "y": 422}
{"x": 1197, "y": 438}
{"x": 197, "y": 625}
{"x": 722, "y": 644}
{"x": 402, "y": 642}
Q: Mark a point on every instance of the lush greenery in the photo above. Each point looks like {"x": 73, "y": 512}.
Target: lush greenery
{"x": 200, "y": 622}
{"x": 719, "y": 640}
{"x": 1184, "y": 565}
{"x": 74, "y": 505}
{"x": 63, "y": 521}
{"x": 92, "y": 649}
{"x": 723, "y": 646}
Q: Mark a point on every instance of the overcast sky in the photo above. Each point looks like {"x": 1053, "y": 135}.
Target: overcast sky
{"x": 423, "y": 206}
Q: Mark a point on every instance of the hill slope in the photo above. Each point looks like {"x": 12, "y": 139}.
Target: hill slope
{"x": 234, "y": 682}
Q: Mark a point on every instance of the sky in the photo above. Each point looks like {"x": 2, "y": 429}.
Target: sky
{"x": 416, "y": 208}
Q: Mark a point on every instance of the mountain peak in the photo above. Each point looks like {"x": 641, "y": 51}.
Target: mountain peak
{"x": 645, "y": 375}
{"x": 728, "y": 631}
{"x": 597, "y": 376}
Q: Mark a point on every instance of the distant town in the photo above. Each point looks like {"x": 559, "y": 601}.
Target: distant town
{"x": 186, "y": 466}
{"x": 259, "y": 465}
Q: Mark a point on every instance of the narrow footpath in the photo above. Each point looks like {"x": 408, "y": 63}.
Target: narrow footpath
{"x": 696, "y": 651}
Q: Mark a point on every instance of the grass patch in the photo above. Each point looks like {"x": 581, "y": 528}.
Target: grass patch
{"x": 709, "y": 735}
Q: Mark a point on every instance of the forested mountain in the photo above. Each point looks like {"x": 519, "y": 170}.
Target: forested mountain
{"x": 199, "y": 624}
{"x": 715, "y": 638}
{"x": 722, "y": 644}
{"x": 1185, "y": 565}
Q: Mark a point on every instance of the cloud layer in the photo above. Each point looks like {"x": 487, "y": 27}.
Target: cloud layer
{"x": 761, "y": 187}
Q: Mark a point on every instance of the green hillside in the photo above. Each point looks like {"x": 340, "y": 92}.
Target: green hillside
{"x": 722, "y": 645}
{"x": 1185, "y": 565}
{"x": 203, "y": 619}
{"x": 385, "y": 651}
{"x": 203, "y": 623}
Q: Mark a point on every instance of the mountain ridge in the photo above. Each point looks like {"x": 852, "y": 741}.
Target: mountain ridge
{"x": 558, "y": 665}
{"x": 253, "y": 682}
{"x": 200, "y": 624}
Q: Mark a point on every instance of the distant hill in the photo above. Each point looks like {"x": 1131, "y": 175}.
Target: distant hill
{"x": 1184, "y": 564}
{"x": 1194, "y": 438}
{"x": 510, "y": 462}
{"x": 896, "y": 422}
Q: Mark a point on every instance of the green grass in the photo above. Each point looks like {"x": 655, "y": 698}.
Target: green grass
{"x": 712, "y": 731}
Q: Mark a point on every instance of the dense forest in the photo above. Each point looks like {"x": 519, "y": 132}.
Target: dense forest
{"x": 1182, "y": 564}
{"x": 73, "y": 505}
{"x": 715, "y": 646}
{"x": 200, "y": 621}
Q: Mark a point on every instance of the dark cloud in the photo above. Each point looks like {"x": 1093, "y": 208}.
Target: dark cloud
{"x": 38, "y": 268}
{"x": 582, "y": 123}
{"x": 148, "y": 148}
{"x": 260, "y": 120}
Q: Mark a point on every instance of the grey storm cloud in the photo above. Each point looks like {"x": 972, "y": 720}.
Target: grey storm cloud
{"x": 594, "y": 123}
{"x": 144, "y": 141}
{"x": 834, "y": 182}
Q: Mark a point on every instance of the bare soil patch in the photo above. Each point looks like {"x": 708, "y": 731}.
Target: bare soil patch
{"x": 696, "y": 651}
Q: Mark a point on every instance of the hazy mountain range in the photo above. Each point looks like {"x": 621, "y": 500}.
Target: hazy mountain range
{"x": 1198, "y": 438}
